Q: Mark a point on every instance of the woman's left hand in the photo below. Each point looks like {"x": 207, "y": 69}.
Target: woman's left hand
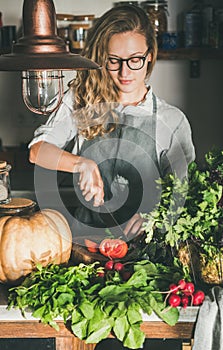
{"x": 134, "y": 226}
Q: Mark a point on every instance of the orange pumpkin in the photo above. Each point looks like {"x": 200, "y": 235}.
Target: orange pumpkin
{"x": 43, "y": 237}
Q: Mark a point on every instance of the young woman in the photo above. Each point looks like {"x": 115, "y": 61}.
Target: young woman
{"x": 125, "y": 136}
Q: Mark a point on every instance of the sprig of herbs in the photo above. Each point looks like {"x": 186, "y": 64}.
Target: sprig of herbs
{"x": 94, "y": 306}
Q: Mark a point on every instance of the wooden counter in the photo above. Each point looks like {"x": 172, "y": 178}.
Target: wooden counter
{"x": 65, "y": 340}
{"x": 14, "y": 325}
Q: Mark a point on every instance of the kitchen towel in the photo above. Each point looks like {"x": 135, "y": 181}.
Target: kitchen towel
{"x": 209, "y": 326}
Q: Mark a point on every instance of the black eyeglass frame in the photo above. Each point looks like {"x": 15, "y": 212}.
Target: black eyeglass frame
{"x": 121, "y": 60}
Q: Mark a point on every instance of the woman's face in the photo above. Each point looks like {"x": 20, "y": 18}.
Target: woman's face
{"x": 128, "y": 45}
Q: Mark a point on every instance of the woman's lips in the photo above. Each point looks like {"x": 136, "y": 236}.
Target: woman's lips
{"x": 125, "y": 81}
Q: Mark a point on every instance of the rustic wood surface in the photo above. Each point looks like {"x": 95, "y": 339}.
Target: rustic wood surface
{"x": 65, "y": 340}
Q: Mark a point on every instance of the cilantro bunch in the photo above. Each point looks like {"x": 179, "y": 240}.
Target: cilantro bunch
{"x": 93, "y": 306}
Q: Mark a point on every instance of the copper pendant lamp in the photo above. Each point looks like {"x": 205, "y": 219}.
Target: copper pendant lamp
{"x": 41, "y": 55}
{"x": 41, "y": 47}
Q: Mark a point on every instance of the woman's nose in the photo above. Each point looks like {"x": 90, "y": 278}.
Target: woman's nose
{"x": 124, "y": 69}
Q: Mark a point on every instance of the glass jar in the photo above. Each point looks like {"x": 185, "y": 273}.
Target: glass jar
{"x": 63, "y": 22}
{"x": 5, "y": 189}
{"x": 157, "y": 13}
{"x": 78, "y": 30}
{"x": 220, "y": 27}
{"x": 18, "y": 207}
{"x": 193, "y": 28}
{"x": 207, "y": 19}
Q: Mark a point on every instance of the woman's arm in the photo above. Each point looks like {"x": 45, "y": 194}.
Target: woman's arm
{"x": 179, "y": 150}
{"x": 52, "y": 157}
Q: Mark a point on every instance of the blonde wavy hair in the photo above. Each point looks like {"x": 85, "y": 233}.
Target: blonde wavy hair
{"x": 95, "y": 93}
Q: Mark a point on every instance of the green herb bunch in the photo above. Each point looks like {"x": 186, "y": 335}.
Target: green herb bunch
{"x": 190, "y": 208}
{"x": 94, "y": 306}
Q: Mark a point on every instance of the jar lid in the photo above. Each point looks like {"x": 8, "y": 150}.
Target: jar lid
{"x": 83, "y": 17}
{"x": 17, "y": 206}
{"x": 79, "y": 25}
{"x": 3, "y": 164}
{"x": 155, "y": 2}
{"x": 18, "y": 203}
{"x": 126, "y": 3}
{"x": 64, "y": 17}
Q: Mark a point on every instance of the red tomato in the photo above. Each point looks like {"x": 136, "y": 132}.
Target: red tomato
{"x": 91, "y": 246}
{"x": 113, "y": 248}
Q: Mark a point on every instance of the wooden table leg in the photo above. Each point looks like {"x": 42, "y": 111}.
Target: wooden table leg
{"x": 72, "y": 343}
{"x": 81, "y": 345}
{"x": 65, "y": 343}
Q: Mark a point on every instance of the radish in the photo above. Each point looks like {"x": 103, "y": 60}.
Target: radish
{"x": 173, "y": 288}
{"x": 198, "y": 297}
{"x": 109, "y": 265}
{"x": 182, "y": 284}
{"x": 126, "y": 275}
{"x": 174, "y": 300}
{"x": 184, "y": 301}
{"x": 189, "y": 288}
{"x": 101, "y": 274}
{"x": 118, "y": 266}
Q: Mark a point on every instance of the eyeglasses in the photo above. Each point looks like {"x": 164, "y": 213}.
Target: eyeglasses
{"x": 134, "y": 62}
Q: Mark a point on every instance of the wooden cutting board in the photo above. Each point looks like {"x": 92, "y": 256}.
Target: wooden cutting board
{"x": 80, "y": 252}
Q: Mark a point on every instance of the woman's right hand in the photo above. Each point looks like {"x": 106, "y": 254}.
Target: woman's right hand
{"x": 51, "y": 157}
{"x": 90, "y": 181}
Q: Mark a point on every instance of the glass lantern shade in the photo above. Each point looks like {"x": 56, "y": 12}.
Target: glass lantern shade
{"x": 42, "y": 90}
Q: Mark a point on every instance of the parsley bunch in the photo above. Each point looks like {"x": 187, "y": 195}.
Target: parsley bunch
{"x": 190, "y": 208}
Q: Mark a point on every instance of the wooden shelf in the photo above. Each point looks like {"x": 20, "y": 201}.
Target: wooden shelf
{"x": 175, "y": 54}
{"x": 190, "y": 54}
{"x": 184, "y": 53}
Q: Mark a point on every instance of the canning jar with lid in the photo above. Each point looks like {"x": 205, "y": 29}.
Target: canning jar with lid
{"x": 5, "y": 189}
{"x": 78, "y": 30}
{"x": 63, "y": 22}
{"x": 157, "y": 13}
{"x": 193, "y": 28}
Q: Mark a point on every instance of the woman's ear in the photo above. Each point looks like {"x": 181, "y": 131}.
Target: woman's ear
{"x": 149, "y": 57}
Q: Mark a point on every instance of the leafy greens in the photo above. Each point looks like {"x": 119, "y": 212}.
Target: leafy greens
{"x": 95, "y": 306}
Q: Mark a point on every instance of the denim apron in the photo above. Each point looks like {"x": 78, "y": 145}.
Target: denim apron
{"x": 127, "y": 160}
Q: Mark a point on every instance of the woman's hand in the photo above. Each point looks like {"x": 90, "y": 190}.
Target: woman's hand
{"x": 134, "y": 226}
{"x": 51, "y": 157}
{"x": 90, "y": 181}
